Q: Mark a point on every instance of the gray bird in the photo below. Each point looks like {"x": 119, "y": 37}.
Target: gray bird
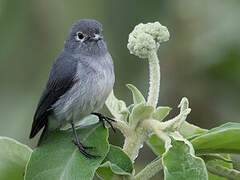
{"x": 79, "y": 83}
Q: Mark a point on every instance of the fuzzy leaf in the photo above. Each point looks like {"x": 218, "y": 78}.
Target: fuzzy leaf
{"x": 223, "y": 160}
{"x": 156, "y": 144}
{"x": 221, "y": 171}
{"x": 87, "y": 121}
{"x": 161, "y": 112}
{"x": 58, "y": 158}
{"x": 212, "y": 157}
{"x": 222, "y": 139}
{"x": 179, "y": 163}
{"x": 116, "y": 162}
{"x": 137, "y": 95}
{"x": 186, "y": 130}
{"x": 13, "y": 159}
{"x": 115, "y": 106}
{"x": 130, "y": 108}
{"x": 140, "y": 112}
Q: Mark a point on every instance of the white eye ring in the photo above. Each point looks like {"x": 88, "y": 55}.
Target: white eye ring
{"x": 79, "y": 36}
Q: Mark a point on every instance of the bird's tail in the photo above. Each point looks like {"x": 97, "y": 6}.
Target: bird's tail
{"x": 44, "y": 135}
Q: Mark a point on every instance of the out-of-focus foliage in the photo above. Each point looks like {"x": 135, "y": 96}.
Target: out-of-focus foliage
{"x": 201, "y": 60}
{"x": 13, "y": 158}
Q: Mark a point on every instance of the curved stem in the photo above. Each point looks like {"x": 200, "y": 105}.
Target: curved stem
{"x": 221, "y": 171}
{"x": 150, "y": 170}
{"x": 154, "y": 83}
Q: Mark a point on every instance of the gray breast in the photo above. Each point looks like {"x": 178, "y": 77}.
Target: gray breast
{"x": 94, "y": 81}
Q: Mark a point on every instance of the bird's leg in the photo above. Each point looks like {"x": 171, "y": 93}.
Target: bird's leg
{"x": 103, "y": 118}
{"x": 80, "y": 146}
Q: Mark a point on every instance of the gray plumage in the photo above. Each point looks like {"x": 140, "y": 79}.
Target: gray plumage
{"x": 94, "y": 80}
{"x": 81, "y": 79}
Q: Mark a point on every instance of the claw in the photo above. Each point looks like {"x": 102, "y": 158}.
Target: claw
{"x": 81, "y": 147}
{"x": 103, "y": 118}
{"x": 103, "y": 123}
{"x": 110, "y": 119}
{"x": 86, "y": 154}
{"x": 89, "y": 147}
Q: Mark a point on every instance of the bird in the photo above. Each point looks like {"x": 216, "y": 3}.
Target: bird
{"x": 80, "y": 80}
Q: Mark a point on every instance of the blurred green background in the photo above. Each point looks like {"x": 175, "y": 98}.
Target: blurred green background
{"x": 201, "y": 61}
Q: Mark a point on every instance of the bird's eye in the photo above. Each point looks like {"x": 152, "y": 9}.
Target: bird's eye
{"x": 79, "y": 36}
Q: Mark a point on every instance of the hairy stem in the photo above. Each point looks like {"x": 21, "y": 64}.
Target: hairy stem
{"x": 150, "y": 170}
{"x": 132, "y": 144}
{"x": 221, "y": 171}
{"x": 154, "y": 83}
{"x": 123, "y": 127}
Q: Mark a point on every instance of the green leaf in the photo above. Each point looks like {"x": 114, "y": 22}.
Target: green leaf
{"x": 119, "y": 161}
{"x": 13, "y": 159}
{"x": 58, "y": 158}
{"x": 215, "y": 177}
{"x": 236, "y": 161}
{"x": 218, "y": 159}
{"x": 87, "y": 121}
{"x": 211, "y": 157}
{"x": 222, "y": 163}
{"x": 137, "y": 95}
{"x": 105, "y": 172}
{"x": 221, "y": 171}
{"x": 161, "y": 112}
{"x": 186, "y": 130}
{"x": 156, "y": 144}
{"x": 140, "y": 112}
{"x": 130, "y": 108}
{"x": 116, "y": 162}
{"x": 115, "y": 106}
{"x": 222, "y": 139}
{"x": 180, "y": 164}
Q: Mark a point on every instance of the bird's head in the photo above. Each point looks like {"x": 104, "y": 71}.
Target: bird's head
{"x": 86, "y": 37}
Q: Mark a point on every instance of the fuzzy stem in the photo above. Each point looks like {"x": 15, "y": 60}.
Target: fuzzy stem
{"x": 123, "y": 127}
{"x": 221, "y": 171}
{"x": 150, "y": 170}
{"x": 154, "y": 83}
{"x": 132, "y": 144}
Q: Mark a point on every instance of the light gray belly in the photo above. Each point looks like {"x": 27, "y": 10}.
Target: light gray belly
{"x": 87, "y": 95}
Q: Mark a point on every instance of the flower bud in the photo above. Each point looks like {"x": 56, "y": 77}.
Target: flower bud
{"x": 146, "y": 38}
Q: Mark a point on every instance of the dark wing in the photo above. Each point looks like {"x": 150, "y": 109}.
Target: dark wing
{"x": 60, "y": 80}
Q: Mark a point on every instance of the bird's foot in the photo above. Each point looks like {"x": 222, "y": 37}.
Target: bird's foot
{"x": 103, "y": 118}
{"x": 83, "y": 148}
